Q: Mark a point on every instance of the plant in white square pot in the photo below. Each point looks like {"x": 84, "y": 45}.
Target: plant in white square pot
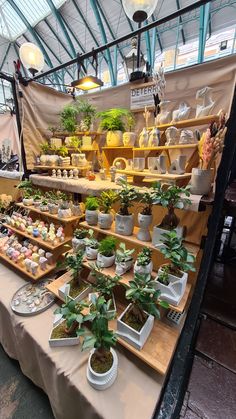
{"x": 143, "y": 263}
{"x": 91, "y": 210}
{"x": 124, "y": 259}
{"x": 78, "y": 241}
{"x": 135, "y": 323}
{"x": 172, "y": 278}
{"x": 91, "y": 246}
{"x": 171, "y": 197}
{"x": 103, "y": 361}
{"x": 104, "y": 285}
{"x": 67, "y": 330}
{"x": 76, "y": 289}
{"x": 124, "y": 221}
{"x": 145, "y": 216}
{"x": 106, "y": 252}
{"x": 105, "y": 215}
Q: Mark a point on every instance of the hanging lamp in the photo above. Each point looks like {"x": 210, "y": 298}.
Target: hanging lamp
{"x": 31, "y": 57}
{"x": 87, "y": 82}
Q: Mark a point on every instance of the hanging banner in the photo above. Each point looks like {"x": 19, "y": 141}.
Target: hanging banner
{"x": 141, "y": 96}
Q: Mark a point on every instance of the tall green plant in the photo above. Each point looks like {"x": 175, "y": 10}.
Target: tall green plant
{"x": 87, "y": 110}
{"x": 74, "y": 263}
{"x": 127, "y": 195}
{"x": 114, "y": 119}
{"x": 72, "y": 312}
{"x": 104, "y": 284}
{"x": 107, "y": 199}
{"x": 69, "y": 118}
{"x": 176, "y": 252}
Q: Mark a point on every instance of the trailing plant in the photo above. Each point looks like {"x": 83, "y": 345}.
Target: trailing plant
{"x": 127, "y": 195}
{"x": 69, "y": 118}
{"x": 87, "y": 110}
{"x": 144, "y": 257}
{"x": 107, "y": 246}
{"x": 91, "y": 241}
{"x": 73, "y": 263}
{"x": 104, "y": 283}
{"x": 146, "y": 198}
{"x": 113, "y": 119}
{"x": 180, "y": 258}
{"x": 91, "y": 203}
{"x": 170, "y": 198}
{"x": 107, "y": 199}
{"x": 123, "y": 254}
{"x": 72, "y": 312}
{"x": 80, "y": 233}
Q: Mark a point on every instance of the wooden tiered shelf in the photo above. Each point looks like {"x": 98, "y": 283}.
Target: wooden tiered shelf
{"x": 166, "y": 147}
{"x": 41, "y": 167}
{"x": 187, "y": 123}
{"x": 147, "y": 173}
{"x": 47, "y": 214}
{"x": 69, "y": 134}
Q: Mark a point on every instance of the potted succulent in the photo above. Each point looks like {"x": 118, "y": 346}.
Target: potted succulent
{"x": 172, "y": 278}
{"x": 103, "y": 361}
{"x": 104, "y": 285}
{"x": 78, "y": 241}
{"x": 76, "y": 289}
{"x": 91, "y": 246}
{"x": 26, "y": 187}
{"x": 67, "y": 328}
{"x": 113, "y": 122}
{"x": 124, "y": 221}
{"x": 69, "y": 118}
{"x": 106, "y": 252}
{"x": 143, "y": 263}
{"x": 88, "y": 112}
{"x": 77, "y": 209}
{"x": 44, "y": 205}
{"x": 124, "y": 259}
{"x": 129, "y": 137}
{"x": 91, "y": 210}
{"x": 53, "y": 205}
{"x": 37, "y": 197}
{"x": 145, "y": 216}
{"x": 135, "y": 324}
{"x": 170, "y": 198}
{"x": 64, "y": 210}
{"x": 105, "y": 216}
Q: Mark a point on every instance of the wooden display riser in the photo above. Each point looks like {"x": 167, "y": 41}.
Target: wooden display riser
{"x": 146, "y": 173}
{"x": 47, "y": 214}
{"x": 187, "y": 123}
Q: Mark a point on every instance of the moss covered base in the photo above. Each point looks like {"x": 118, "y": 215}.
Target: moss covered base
{"x": 101, "y": 364}
{"x": 60, "y": 333}
{"x": 131, "y": 320}
{"x": 76, "y": 288}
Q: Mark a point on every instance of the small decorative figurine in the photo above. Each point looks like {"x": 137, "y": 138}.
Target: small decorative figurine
{"x": 187, "y": 137}
{"x": 71, "y": 174}
{"x": 164, "y": 117}
{"x": 113, "y": 173}
{"x": 43, "y": 263}
{"x": 154, "y": 138}
{"x": 143, "y": 138}
{"x": 207, "y": 104}
{"x": 178, "y": 166}
{"x": 172, "y": 136}
{"x": 157, "y": 164}
{"x": 59, "y": 173}
{"x": 181, "y": 113}
{"x": 146, "y": 115}
{"x": 65, "y": 175}
{"x": 54, "y": 173}
{"x": 76, "y": 174}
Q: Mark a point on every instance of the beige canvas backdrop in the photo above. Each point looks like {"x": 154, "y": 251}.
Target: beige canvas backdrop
{"x": 41, "y": 105}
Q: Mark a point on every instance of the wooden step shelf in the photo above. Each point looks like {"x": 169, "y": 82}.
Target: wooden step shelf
{"x": 40, "y": 274}
{"x": 69, "y": 134}
{"x": 166, "y": 147}
{"x": 118, "y": 148}
{"x": 147, "y": 173}
{"x": 37, "y": 240}
{"x": 194, "y": 122}
{"x": 47, "y": 214}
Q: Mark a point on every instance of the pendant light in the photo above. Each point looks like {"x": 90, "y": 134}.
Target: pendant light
{"x": 87, "y": 82}
{"x": 31, "y": 57}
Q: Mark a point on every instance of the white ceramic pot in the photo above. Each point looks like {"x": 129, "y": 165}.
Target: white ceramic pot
{"x": 53, "y": 208}
{"x": 123, "y": 267}
{"x": 174, "y": 291}
{"x": 37, "y": 203}
{"x": 129, "y": 139}
{"x": 64, "y": 213}
{"x": 91, "y": 217}
{"x": 144, "y": 222}
{"x": 77, "y": 244}
{"x": 200, "y": 181}
{"x": 43, "y": 208}
{"x": 124, "y": 224}
{"x": 132, "y": 336}
{"x": 139, "y": 269}
{"x": 43, "y": 159}
{"x": 105, "y": 261}
{"x": 139, "y": 164}
{"x": 114, "y": 138}
{"x": 157, "y": 239}
{"x": 64, "y": 292}
{"x": 28, "y": 201}
{"x": 105, "y": 220}
{"x": 91, "y": 254}
{"x": 76, "y": 210}
{"x": 102, "y": 381}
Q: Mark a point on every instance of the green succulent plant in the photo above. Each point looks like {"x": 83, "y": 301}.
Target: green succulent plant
{"x": 90, "y": 241}
{"x": 107, "y": 246}
{"x": 91, "y": 203}
{"x": 123, "y": 254}
{"x": 144, "y": 257}
{"x": 107, "y": 199}
{"x": 80, "y": 233}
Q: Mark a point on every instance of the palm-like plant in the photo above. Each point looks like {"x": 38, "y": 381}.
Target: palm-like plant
{"x": 113, "y": 119}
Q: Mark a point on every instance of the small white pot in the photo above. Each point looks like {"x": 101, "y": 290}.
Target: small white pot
{"x": 157, "y": 239}
{"x": 28, "y": 201}
{"x": 114, "y": 138}
{"x": 105, "y": 261}
{"x": 64, "y": 213}
{"x": 64, "y": 292}
{"x": 132, "y": 336}
{"x": 91, "y": 217}
{"x": 76, "y": 210}
{"x": 174, "y": 291}
{"x": 124, "y": 224}
{"x": 200, "y": 181}
{"x": 105, "y": 220}
{"x": 77, "y": 244}
{"x": 143, "y": 269}
{"x": 129, "y": 139}
{"x": 65, "y": 341}
{"x": 91, "y": 254}
{"x": 144, "y": 222}
{"x": 37, "y": 203}
{"x": 123, "y": 267}
{"x": 53, "y": 208}
{"x": 102, "y": 381}
{"x": 43, "y": 208}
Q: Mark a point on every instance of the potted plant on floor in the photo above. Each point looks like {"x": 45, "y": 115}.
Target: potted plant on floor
{"x": 143, "y": 263}
{"x": 135, "y": 324}
{"x": 106, "y": 252}
{"x": 105, "y": 216}
{"x": 67, "y": 328}
{"x": 103, "y": 362}
{"x": 172, "y": 278}
{"x": 76, "y": 289}
{"x": 78, "y": 241}
{"x": 145, "y": 216}
{"x": 91, "y": 210}
{"x": 104, "y": 285}
{"x": 124, "y": 221}
{"x": 91, "y": 246}
{"x": 113, "y": 122}
{"x": 170, "y": 198}
{"x": 124, "y": 259}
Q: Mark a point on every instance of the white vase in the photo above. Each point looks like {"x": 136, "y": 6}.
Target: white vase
{"x": 144, "y": 222}
{"x": 200, "y": 181}
{"x": 124, "y": 224}
{"x": 105, "y": 380}
{"x": 28, "y": 201}
{"x": 174, "y": 291}
{"x": 139, "y": 269}
{"x": 143, "y": 138}
{"x": 105, "y": 220}
{"x": 105, "y": 261}
{"x": 114, "y": 138}
{"x": 129, "y": 139}
{"x": 91, "y": 216}
{"x": 123, "y": 267}
{"x": 154, "y": 138}
{"x": 91, "y": 254}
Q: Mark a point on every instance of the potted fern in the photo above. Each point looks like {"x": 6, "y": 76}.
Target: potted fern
{"x": 87, "y": 111}
{"x": 145, "y": 216}
{"x": 113, "y": 121}
{"x": 143, "y": 263}
{"x": 69, "y": 118}
{"x": 91, "y": 210}
{"x": 105, "y": 216}
{"x": 124, "y": 221}
{"x": 106, "y": 252}
{"x": 124, "y": 259}
{"x": 172, "y": 278}
{"x": 91, "y": 246}
{"x": 103, "y": 361}
{"x": 78, "y": 241}
{"x": 135, "y": 324}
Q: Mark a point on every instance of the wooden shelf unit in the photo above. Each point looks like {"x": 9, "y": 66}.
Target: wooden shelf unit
{"x": 41, "y": 167}
{"x": 69, "y": 134}
{"x": 47, "y": 214}
{"x": 166, "y": 147}
{"x": 187, "y": 123}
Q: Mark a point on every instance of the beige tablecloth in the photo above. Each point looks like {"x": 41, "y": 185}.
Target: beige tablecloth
{"x": 61, "y": 372}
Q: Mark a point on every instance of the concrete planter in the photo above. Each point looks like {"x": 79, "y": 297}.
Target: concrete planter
{"x": 64, "y": 292}
{"x": 143, "y": 269}
{"x": 77, "y": 244}
{"x": 129, "y": 139}
{"x": 174, "y": 291}
{"x": 123, "y": 267}
{"x": 76, "y": 210}
{"x": 91, "y": 254}
{"x": 200, "y": 181}
{"x": 144, "y": 222}
{"x": 91, "y": 217}
{"x": 64, "y": 213}
{"x": 157, "y": 239}
{"x": 105, "y": 261}
{"x": 114, "y": 138}
{"x": 105, "y": 220}
{"x": 102, "y": 381}
{"x": 124, "y": 224}
{"x": 28, "y": 201}
{"x": 65, "y": 341}
{"x": 53, "y": 208}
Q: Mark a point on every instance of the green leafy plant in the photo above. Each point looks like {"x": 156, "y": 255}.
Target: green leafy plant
{"x": 170, "y": 198}
{"x": 44, "y": 202}
{"x": 123, "y": 254}
{"x": 72, "y": 312}
{"x": 51, "y": 196}
{"x": 163, "y": 275}
{"x": 75, "y": 142}
{"x": 80, "y": 233}
{"x": 87, "y": 110}
{"x": 130, "y": 121}
{"x": 144, "y": 257}
{"x": 62, "y": 151}
{"x": 62, "y": 196}
{"x": 127, "y": 195}
{"x": 74, "y": 263}
{"x": 45, "y": 148}
{"x": 104, "y": 284}
{"x": 146, "y": 198}
{"x": 107, "y": 199}
{"x": 180, "y": 258}
{"x": 90, "y": 241}
{"x": 27, "y": 188}
{"x": 113, "y": 119}
{"x": 69, "y": 118}
{"x": 37, "y": 196}
{"x": 107, "y": 246}
{"x": 91, "y": 203}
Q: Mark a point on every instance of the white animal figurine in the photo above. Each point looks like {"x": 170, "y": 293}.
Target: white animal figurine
{"x": 154, "y": 138}
{"x": 65, "y": 175}
{"x": 164, "y": 117}
{"x": 187, "y": 137}
{"x": 59, "y": 173}
{"x": 143, "y": 138}
{"x": 172, "y": 136}
{"x": 206, "y": 104}
{"x": 54, "y": 173}
{"x": 71, "y": 174}
{"x": 178, "y": 166}
{"x": 181, "y": 113}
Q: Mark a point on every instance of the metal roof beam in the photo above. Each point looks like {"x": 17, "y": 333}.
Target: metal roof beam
{"x": 128, "y": 20}
{"x": 158, "y": 36}
{"x": 181, "y": 21}
{"x": 58, "y": 17}
{"x": 57, "y": 38}
{"x": 5, "y": 56}
{"x": 148, "y": 46}
{"x": 204, "y": 19}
